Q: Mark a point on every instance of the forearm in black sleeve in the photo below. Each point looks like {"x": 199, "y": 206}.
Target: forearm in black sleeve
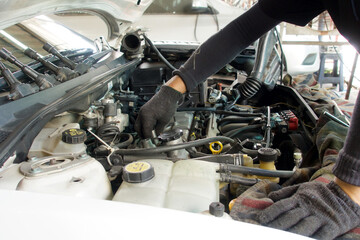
{"x": 224, "y": 46}
{"x": 347, "y": 167}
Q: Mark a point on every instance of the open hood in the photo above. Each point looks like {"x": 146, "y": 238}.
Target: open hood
{"x": 114, "y": 12}
{"x": 71, "y": 160}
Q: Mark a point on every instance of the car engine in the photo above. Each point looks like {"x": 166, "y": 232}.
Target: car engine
{"x": 80, "y": 141}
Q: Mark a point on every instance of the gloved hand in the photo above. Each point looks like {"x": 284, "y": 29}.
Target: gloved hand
{"x": 311, "y": 209}
{"x": 157, "y": 112}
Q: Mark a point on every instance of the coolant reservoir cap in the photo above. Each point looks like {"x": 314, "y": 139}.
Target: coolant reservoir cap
{"x": 267, "y": 154}
{"x": 138, "y": 172}
{"x": 73, "y": 136}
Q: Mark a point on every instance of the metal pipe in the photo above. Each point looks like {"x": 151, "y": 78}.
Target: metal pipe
{"x": 268, "y": 128}
{"x": 161, "y": 149}
{"x": 235, "y": 159}
{"x": 332, "y": 117}
{"x": 351, "y": 77}
{"x": 264, "y": 49}
{"x": 255, "y": 171}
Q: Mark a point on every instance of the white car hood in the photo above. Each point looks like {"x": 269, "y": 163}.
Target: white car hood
{"x": 27, "y": 215}
{"x": 114, "y": 12}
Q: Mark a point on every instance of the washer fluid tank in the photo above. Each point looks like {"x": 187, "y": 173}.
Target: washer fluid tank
{"x": 65, "y": 140}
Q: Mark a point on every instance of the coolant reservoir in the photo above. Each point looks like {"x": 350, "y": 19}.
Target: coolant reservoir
{"x": 267, "y": 158}
{"x": 81, "y": 176}
{"x": 65, "y": 140}
{"x": 187, "y": 185}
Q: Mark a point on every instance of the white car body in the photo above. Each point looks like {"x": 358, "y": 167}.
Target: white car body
{"x": 34, "y": 215}
{"x": 181, "y": 27}
{"x": 26, "y": 215}
{"x": 301, "y": 59}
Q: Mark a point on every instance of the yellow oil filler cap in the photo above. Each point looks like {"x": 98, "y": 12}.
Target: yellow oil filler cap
{"x": 138, "y": 172}
{"x": 216, "y": 147}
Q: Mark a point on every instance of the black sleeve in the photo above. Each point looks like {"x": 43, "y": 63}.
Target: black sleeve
{"x": 224, "y": 46}
{"x": 347, "y": 167}
{"x": 298, "y": 12}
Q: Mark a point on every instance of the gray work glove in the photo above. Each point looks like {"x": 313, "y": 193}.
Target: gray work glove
{"x": 312, "y": 209}
{"x": 157, "y": 112}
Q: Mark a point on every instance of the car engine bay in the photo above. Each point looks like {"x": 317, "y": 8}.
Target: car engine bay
{"x": 68, "y": 127}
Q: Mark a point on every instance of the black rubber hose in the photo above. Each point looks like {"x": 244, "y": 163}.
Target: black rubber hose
{"x": 250, "y": 87}
{"x": 158, "y": 53}
{"x": 208, "y": 109}
{"x": 229, "y": 127}
{"x": 237, "y": 179}
{"x": 161, "y": 149}
{"x": 235, "y": 119}
{"x": 195, "y": 154}
{"x": 241, "y": 114}
{"x": 235, "y": 132}
{"x": 256, "y": 171}
{"x": 217, "y": 158}
{"x": 109, "y": 132}
{"x": 252, "y": 153}
{"x": 124, "y": 143}
{"x": 196, "y": 109}
{"x": 237, "y": 97}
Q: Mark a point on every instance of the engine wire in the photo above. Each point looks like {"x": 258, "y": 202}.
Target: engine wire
{"x": 268, "y": 128}
{"x": 158, "y": 53}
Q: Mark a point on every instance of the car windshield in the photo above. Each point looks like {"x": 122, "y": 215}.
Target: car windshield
{"x": 34, "y": 33}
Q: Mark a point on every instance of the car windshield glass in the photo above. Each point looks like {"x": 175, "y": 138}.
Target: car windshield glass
{"x": 33, "y": 33}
